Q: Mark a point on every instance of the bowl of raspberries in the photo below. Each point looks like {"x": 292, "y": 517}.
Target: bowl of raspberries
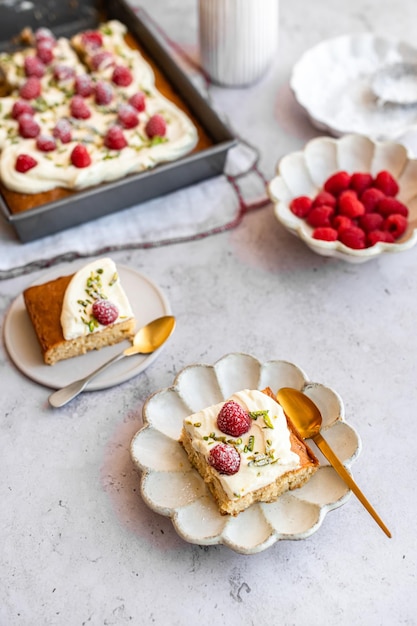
{"x": 351, "y": 198}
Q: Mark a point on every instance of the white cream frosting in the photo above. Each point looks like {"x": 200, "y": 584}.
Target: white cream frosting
{"x": 54, "y": 169}
{"x": 269, "y": 457}
{"x": 96, "y": 280}
{"x": 12, "y": 66}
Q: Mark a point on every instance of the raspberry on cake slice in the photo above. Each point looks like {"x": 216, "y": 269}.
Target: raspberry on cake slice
{"x": 85, "y": 311}
{"x": 247, "y": 450}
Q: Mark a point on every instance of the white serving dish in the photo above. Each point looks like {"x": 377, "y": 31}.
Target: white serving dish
{"x": 304, "y": 172}
{"x": 171, "y": 487}
{"x": 333, "y": 83}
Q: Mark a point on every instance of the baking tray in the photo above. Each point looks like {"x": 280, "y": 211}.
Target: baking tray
{"x": 82, "y": 206}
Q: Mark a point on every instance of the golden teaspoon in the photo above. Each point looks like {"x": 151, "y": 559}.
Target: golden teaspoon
{"x": 307, "y": 419}
{"x": 147, "y": 340}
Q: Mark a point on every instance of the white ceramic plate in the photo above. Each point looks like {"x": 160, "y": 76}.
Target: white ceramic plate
{"x": 303, "y": 173}
{"x": 333, "y": 83}
{"x": 171, "y": 487}
{"x": 147, "y": 301}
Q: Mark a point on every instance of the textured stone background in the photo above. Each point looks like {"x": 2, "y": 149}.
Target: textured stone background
{"x": 79, "y": 546}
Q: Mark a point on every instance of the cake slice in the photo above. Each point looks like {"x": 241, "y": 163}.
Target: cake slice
{"x": 247, "y": 450}
{"x": 85, "y": 311}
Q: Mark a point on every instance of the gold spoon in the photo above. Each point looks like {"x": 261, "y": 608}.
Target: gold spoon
{"x": 307, "y": 419}
{"x": 147, "y": 340}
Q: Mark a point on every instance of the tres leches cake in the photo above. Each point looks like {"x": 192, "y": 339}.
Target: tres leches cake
{"x": 85, "y": 311}
{"x": 247, "y": 450}
{"x": 78, "y": 112}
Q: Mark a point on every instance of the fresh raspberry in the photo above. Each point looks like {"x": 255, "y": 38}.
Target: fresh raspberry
{"x": 28, "y": 126}
{"x": 137, "y": 101}
{"x": 349, "y": 205}
{"x": 45, "y": 143}
{"x": 45, "y": 51}
{"x": 390, "y": 205}
{"x": 301, "y": 206}
{"x": 63, "y": 131}
{"x": 83, "y": 85}
{"x": 337, "y": 183}
{"x": 127, "y": 116}
{"x": 25, "y": 162}
{"x": 80, "y": 157}
{"x": 103, "y": 93}
{"x": 378, "y": 235}
{"x": 325, "y": 233}
{"x": 31, "y": 88}
{"x": 63, "y": 73}
{"x": 44, "y": 34}
{"x": 105, "y": 312}
{"x": 101, "y": 60}
{"x": 115, "y": 139}
{"x": 386, "y": 183}
{"x": 233, "y": 419}
{"x": 353, "y": 237}
{"x": 370, "y": 198}
{"x": 395, "y": 224}
{"x": 79, "y": 109}
{"x": 324, "y": 197}
{"x": 320, "y": 216}
{"x": 388, "y": 237}
{"x": 34, "y": 67}
{"x": 92, "y": 39}
{"x": 225, "y": 459}
{"x": 371, "y": 221}
{"x": 339, "y": 222}
{"x": 122, "y": 76}
{"x": 21, "y": 106}
{"x": 361, "y": 181}
{"x": 357, "y": 209}
{"x": 156, "y": 126}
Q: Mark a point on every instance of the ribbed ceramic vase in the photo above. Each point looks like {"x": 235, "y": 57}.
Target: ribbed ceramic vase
{"x": 238, "y": 39}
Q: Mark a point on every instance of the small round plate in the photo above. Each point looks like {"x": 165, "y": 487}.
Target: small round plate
{"x": 171, "y": 487}
{"x": 333, "y": 83}
{"x": 147, "y": 301}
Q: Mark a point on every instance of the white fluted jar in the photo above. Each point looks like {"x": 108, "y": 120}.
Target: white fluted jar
{"x": 238, "y": 39}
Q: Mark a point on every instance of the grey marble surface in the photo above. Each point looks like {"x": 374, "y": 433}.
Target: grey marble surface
{"x": 79, "y": 546}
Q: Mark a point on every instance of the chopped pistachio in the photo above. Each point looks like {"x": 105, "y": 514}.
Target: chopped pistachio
{"x": 113, "y": 279}
{"x": 267, "y": 420}
{"x": 158, "y": 140}
{"x": 255, "y": 414}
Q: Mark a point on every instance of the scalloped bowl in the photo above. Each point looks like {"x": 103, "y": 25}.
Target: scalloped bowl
{"x": 304, "y": 173}
{"x": 333, "y": 82}
{"x": 172, "y": 487}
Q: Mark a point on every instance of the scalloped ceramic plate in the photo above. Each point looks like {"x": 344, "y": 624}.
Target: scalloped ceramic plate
{"x": 171, "y": 487}
{"x": 333, "y": 83}
{"x": 304, "y": 172}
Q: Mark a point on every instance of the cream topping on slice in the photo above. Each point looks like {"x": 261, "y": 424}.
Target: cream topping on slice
{"x": 97, "y": 280}
{"x": 265, "y": 450}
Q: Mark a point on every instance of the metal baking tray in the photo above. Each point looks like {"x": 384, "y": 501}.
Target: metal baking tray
{"x": 67, "y": 18}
